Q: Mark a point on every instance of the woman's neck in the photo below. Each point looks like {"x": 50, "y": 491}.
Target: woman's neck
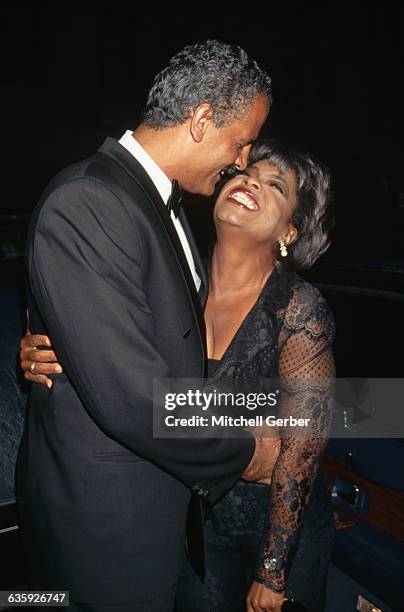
{"x": 239, "y": 268}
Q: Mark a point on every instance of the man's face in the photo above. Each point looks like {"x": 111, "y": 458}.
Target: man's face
{"x": 227, "y": 145}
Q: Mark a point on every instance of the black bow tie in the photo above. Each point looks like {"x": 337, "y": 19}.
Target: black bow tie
{"x": 174, "y": 201}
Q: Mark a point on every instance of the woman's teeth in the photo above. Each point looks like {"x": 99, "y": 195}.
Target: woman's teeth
{"x": 244, "y": 200}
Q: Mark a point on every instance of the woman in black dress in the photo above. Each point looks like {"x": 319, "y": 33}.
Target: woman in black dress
{"x": 268, "y": 542}
{"x": 264, "y": 321}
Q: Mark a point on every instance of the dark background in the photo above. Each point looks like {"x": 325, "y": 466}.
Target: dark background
{"x": 71, "y": 76}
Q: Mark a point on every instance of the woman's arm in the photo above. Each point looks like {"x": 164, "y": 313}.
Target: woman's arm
{"x": 307, "y": 373}
{"x": 37, "y": 363}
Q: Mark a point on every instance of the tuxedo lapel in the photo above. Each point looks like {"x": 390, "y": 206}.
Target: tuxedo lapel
{"x": 200, "y": 268}
{"x": 133, "y": 172}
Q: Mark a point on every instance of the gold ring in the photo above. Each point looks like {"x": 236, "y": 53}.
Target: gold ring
{"x": 32, "y": 367}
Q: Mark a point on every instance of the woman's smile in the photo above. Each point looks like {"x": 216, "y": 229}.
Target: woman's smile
{"x": 244, "y": 198}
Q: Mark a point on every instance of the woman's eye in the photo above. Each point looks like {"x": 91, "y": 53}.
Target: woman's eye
{"x": 279, "y": 187}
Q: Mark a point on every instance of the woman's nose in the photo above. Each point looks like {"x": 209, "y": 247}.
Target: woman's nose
{"x": 252, "y": 182}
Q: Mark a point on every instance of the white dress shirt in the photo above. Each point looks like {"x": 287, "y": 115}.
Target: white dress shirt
{"x": 163, "y": 186}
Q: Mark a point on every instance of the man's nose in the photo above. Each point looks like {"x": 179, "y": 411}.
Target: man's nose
{"x": 242, "y": 160}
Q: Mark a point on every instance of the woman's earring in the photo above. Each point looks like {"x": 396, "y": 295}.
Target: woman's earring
{"x": 283, "y": 248}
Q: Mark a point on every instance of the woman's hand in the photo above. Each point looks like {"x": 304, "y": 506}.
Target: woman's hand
{"x": 261, "y": 599}
{"x": 37, "y": 363}
{"x": 265, "y": 446}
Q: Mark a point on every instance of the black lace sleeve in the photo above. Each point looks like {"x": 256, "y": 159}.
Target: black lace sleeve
{"x": 306, "y": 371}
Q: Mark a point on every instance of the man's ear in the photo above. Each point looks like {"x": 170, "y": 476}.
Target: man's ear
{"x": 200, "y": 119}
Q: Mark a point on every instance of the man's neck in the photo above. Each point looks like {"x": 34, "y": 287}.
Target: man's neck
{"x": 165, "y": 148}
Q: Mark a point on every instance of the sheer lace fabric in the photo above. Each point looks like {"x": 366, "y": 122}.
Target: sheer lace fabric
{"x": 306, "y": 369}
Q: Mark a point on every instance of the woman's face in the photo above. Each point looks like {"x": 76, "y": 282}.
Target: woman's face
{"x": 260, "y": 202}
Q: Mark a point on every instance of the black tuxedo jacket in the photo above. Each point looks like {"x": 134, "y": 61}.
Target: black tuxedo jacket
{"x": 103, "y": 503}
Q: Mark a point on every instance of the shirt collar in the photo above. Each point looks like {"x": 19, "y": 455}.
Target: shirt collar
{"x": 161, "y": 180}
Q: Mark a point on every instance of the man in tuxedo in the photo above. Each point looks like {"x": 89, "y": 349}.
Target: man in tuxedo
{"x": 114, "y": 278}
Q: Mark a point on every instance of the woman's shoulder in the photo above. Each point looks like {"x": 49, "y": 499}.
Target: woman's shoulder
{"x": 304, "y": 292}
{"x": 307, "y": 308}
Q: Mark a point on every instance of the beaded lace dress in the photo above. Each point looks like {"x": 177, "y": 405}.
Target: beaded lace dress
{"x": 287, "y": 335}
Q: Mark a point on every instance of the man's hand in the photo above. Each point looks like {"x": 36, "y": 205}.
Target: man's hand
{"x": 37, "y": 363}
{"x": 261, "y": 465}
{"x": 261, "y": 599}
